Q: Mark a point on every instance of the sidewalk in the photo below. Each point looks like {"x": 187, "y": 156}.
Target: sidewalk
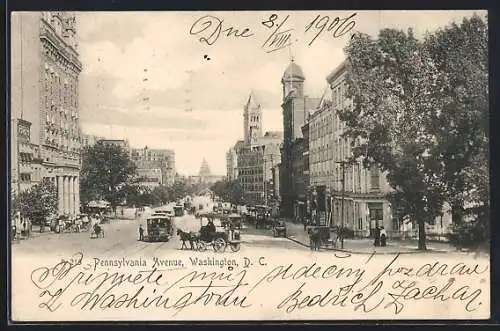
{"x": 296, "y": 233}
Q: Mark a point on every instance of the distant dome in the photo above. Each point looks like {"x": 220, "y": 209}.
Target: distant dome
{"x": 293, "y": 71}
{"x": 204, "y": 169}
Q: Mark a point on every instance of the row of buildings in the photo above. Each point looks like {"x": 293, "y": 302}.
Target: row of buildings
{"x": 311, "y": 175}
{"x": 251, "y": 160}
{"x": 44, "y": 126}
{"x": 317, "y": 179}
{"x": 46, "y": 137}
{"x": 154, "y": 166}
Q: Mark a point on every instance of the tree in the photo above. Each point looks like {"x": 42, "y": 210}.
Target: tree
{"x": 391, "y": 81}
{"x": 178, "y": 190}
{"x": 106, "y": 171}
{"x": 230, "y": 191}
{"x": 460, "y": 53}
{"x": 219, "y": 188}
{"x": 160, "y": 195}
{"x": 37, "y": 203}
{"x": 235, "y": 192}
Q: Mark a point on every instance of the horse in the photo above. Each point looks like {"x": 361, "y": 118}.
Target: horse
{"x": 186, "y": 236}
{"x": 314, "y": 239}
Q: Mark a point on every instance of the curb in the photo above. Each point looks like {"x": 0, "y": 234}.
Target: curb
{"x": 368, "y": 253}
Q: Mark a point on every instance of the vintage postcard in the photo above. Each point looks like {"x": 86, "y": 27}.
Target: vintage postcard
{"x": 249, "y": 165}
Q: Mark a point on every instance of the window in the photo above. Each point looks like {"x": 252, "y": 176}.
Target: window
{"x": 374, "y": 178}
{"x": 25, "y": 177}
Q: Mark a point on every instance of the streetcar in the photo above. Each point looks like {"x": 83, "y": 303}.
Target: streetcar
{"x": 159, "y": 228}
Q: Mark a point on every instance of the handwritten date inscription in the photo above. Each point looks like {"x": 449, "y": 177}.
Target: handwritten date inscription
{"x": 210, "y": 29}
{"x": 336, "y": 26}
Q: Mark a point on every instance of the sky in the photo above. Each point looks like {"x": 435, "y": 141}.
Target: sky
{"x": 144, "y": 71}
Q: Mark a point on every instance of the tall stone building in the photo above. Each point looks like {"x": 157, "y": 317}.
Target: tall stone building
{"x": 255, "y": 164}
{"x": 360, "y": 192}
{"x": 232, "y": 164}
{"x": 45, "y": 69}
{"x": 252, "y": 120}
{"x": 148, "y": 159}
{"x": 256, "y": 155}
{"x": 296, "y": 107}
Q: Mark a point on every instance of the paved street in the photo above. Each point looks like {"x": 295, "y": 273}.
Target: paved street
{"x": 121, "y": 239}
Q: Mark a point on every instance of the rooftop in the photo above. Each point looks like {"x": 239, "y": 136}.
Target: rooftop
{"x": 293, "y": 71}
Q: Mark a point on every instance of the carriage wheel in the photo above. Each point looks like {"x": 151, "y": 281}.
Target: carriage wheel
{"x": 235, "y": 247}
{"x": 201, "y": 246}
{"x": 219, "y": 245}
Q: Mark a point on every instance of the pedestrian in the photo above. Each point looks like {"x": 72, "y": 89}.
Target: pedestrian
{"x": 305, "y": 223}
{"x": 14, "y": 231}
{"x": 141, "y": 233}
{"x": 383, "y": 237}
{"x": 24, "y": 232}
{"x": 377, "y": 236}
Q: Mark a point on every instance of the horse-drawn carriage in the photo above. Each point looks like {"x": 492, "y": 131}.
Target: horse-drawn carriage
{"x": 159, "y": 228}
{"x": 325, "y": 236}
{"x": 219, "y": 237}
{"x": 279, "y": 228}
{"x": 263, "y": 219}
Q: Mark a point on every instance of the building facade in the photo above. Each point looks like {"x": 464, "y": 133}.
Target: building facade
{"x": 252, "y": 120}
{"x": 26, "y": 168}
{"x": 295, "y": 107}
{"x": 149, "y": 158}
{"x": 89, "y": 140}
{"x": 122, "y": 143}
{"x": 354, "y": 196}
{"x": 45, "y": 70}
{"x": 150, "y": 177}
{"x": 304, "y": 197}
{"x": 276, "y": 182}
{"x": 255, "y": 168}
{"x": 251, "y": 174}
{"x": 231, "y": 164}
{"x": 252, "y": 159}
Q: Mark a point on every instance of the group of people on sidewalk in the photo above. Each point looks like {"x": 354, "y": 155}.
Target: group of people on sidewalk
{"x": 21, "y": 227}
{"x": 380, "y": 237}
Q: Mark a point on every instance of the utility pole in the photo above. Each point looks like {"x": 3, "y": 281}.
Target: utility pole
{"x": 343, "y": 165}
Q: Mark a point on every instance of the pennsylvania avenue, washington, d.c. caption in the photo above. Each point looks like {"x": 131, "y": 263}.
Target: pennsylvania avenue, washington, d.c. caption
{"x": 249, "y": 166}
